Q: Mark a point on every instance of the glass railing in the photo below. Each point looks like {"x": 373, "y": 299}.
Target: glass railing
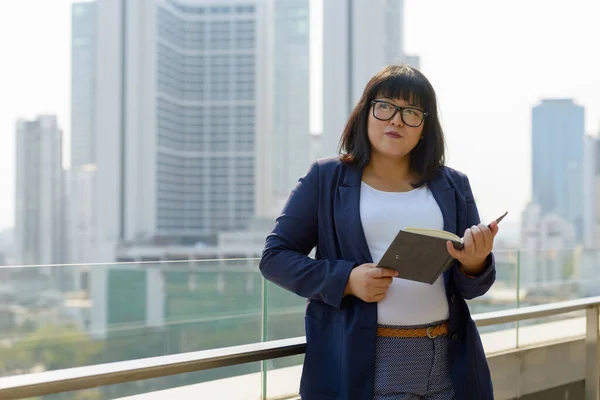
{"x": 55, "y": 317}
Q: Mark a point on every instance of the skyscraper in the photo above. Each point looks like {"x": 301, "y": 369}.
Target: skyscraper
{"x": 557, "y": 153}
{"x": 198, "y": 102}
{"x": 83, "y": 83}
{"x": 80, "y": 190}
{"x": 359, "y": 38}
{"x": 291, "y": 132}
{"x": 590, "y": 148}
{"x": 591, "y": 192}
{"x": 80, "y": 185}
{"x": 39, "y": 219}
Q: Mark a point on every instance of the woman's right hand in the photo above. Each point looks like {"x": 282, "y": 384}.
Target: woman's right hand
{"x": 369, "y": 283}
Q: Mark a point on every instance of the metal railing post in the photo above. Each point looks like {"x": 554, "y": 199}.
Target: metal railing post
{"x": 518, "y": 294}
{"x": 592, "y": 353}
{"x": 265, "y": 337}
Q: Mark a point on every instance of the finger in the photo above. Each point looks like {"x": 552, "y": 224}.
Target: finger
{"x": 488, "y": 236}
{"x": 478, "y": 237}
{"x": 452, "y": 251}
{"x": 379, "y": 296}
{"x": 478, "y": 243}
{"x": 374, "y": 297}
{"x": 494, "y": 228}
{"x": 383, "y": 283}
{"x": 382, "y": 272}
{"x": 469, "y": 247}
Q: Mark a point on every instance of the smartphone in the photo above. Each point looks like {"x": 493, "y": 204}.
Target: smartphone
{"x": 500, "y": 218}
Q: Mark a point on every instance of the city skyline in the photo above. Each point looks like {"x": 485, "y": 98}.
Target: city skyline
{"x": 42, "y": 87}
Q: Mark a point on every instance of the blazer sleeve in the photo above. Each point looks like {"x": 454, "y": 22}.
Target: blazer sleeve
{"x": 285, "y": 258}
{"x": 471, "y": 287}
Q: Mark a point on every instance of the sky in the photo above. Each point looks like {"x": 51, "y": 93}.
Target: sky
{"x": 489, "y": 61}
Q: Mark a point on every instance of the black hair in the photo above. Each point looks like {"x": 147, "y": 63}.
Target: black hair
{"x": 397, "y": 81}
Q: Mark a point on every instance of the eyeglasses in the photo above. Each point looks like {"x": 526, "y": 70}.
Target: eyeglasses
{"x": 411, "y": 116}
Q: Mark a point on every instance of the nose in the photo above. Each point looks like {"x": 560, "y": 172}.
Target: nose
{"x": 397, "y": 119}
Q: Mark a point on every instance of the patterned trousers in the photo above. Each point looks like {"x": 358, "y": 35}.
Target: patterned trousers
{"x": 412, "y": 368}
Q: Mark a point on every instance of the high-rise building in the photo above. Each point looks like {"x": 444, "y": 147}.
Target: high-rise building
{"x": 557, "y": 153}
{"x": 83, "y": 83}
{"x": 359, "y": 38}
{"x": 591, "y": 192}
{"x": 39, "y": 222}
{"x": 80, "y": 179}
{"x": 545, "y": 238}
{"x": 80, "y": 192}
{"x": 591, "y": 178}
{"x": 291, "y": 133}
{"x": 596, "y": 195}
{"x": 203, "y": 109}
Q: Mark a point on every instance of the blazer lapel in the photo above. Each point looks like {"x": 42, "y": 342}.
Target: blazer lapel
{"x": 446, "y": 200}
{"x": 349, "y": 192}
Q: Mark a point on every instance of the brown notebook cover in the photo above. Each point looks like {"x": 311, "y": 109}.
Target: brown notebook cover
{"x": 418, "y": 257}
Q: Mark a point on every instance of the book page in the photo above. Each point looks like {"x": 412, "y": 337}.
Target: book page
{"x": 434, "y": 233}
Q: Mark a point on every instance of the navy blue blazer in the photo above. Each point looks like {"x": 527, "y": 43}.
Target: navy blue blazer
{"x": 341, "y": 331}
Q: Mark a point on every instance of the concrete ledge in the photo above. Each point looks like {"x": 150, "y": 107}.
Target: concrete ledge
{"x": 531, "y": 370}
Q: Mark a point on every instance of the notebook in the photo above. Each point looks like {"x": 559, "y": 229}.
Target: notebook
{"x": 420, "y": 254}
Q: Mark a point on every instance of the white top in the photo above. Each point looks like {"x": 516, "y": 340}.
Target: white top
{"x": 383, "y": 214}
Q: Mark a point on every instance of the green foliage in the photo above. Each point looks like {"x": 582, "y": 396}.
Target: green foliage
{"x": 47, "y": 348}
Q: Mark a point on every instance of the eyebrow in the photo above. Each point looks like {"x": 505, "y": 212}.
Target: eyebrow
{"x": 408, "y": 104}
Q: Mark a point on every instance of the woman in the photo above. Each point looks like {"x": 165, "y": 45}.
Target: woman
{"x": 367, "y": 333}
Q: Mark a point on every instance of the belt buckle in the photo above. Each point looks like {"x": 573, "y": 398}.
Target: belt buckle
{"x": 430, "y": 335}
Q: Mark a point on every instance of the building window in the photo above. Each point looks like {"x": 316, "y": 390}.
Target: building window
{"x": 247, "y": 9}
{"x": 220, "y": 10}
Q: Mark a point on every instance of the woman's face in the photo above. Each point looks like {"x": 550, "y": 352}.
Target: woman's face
{"x": 394, "y": 137}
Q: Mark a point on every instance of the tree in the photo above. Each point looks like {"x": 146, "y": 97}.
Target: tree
{"x": 50, "y": 347}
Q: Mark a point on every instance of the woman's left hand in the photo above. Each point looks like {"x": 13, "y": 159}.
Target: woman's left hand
{"x": 478, "y": 244}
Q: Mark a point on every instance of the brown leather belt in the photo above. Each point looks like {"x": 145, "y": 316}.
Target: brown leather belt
{"x": 430, "y": 332}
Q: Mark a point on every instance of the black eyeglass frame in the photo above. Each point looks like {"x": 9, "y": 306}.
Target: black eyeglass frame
{"x": 401, "y": 110}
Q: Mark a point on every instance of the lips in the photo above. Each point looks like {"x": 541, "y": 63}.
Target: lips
{"x": 393, "y": 135}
